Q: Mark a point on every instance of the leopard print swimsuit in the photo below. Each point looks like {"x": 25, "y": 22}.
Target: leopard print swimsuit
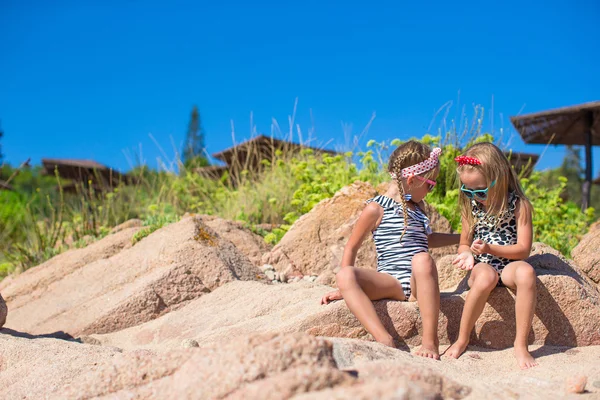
{"x": 501, "y": 230}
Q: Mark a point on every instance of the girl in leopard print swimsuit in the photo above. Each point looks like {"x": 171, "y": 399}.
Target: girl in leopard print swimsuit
{"x": 496, "y": 236}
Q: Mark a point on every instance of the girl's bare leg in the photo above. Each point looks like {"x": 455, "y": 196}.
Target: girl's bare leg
{"x": 482, "y": 281}
{"x": 521, "y": 277}
{"x": 359, "y": 287}
{"x": 425, "y": 288}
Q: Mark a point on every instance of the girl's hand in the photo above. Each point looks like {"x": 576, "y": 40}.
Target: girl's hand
{"x": 464, "y": 260}
{"x": 480, "y": 247}
{"x": 331, "y": 296}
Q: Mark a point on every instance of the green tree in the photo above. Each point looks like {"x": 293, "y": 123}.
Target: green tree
{"x": 572, "y": 170}
{"x": 194, "y": 151}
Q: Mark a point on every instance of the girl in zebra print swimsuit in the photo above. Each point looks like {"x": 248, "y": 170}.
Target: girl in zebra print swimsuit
{"x": 402, "y": 236}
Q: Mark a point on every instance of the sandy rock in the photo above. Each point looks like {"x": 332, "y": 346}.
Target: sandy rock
{"x": 283, "y": 277}
{"x": 162, "y": 272}
{"x": 255, "y": 367}
{"x": 244, "y": 308}
{"x": 34, "y": 367}
{"x": 278, "y": 367}
{"x": 587, "y": 254}
{"x": 189, "y": 343}
{"x": 576, "y": 384}
{"x": 217, "y": 372}
{"x": 316, "y": 241}
{"x": 132, "y": 223}
{"x": 326, "y": 278}
{"x": 34, "y": 282}
{"x": 266, "y": 267}
{"x": 449, "y": 277}
{"x": 401, "y": 389}
{"x": 248, "y": 243}
{"x": 429, "y": 380}
{"x": 294, "y": 383}
{"x": 567, "y": 313}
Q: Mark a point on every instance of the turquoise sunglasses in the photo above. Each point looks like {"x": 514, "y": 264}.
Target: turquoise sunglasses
{"x": 481, "y": 194}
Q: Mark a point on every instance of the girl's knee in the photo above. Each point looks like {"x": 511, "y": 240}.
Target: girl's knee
{"x": 423, "y": 263}
{"x": 423, "y": 259}
{"x": 485, "y": 280}
{"x": 525, "y": 274}
{"x": 346, "y": 277}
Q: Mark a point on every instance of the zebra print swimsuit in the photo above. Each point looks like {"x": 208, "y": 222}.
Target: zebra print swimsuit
{"x": 393, "y": 256}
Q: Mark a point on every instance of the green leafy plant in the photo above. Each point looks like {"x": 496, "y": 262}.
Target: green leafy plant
{"x": 557, "y": 222}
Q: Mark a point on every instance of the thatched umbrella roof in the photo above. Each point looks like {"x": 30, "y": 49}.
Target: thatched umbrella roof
{"x": 83, "y": 171}
{"x": 575, "y": 125}
{"x": 260, "y": 147}
{"x": 567, "y": 125}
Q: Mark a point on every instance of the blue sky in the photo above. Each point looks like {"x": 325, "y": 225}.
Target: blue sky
{"x": 92, "y": 80}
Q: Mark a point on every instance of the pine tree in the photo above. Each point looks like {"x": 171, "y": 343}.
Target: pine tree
{"x": 194, "y": 152}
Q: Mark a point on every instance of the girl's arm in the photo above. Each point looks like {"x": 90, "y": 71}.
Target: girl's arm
{"x": 464, "y": 244}
{"x": 437, "y": 239}
{"x": 517, "y": 251}
{"x": 368, "y": 221}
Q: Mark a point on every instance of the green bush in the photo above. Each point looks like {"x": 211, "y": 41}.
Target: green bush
{"x": 557, "y": 222}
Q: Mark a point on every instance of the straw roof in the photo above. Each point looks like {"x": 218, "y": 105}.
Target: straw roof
{"x": 82, "y": 170}
{"x": 567, "y": 125}
{"x": 262, "y": 146}
{"x": 87, "y": 164}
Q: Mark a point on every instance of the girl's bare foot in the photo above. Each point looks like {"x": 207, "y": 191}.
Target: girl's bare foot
{"x": 524, "y": 358}
{"x": 388, "y": 342}
{"x": 429, "y": 351}
{"x": 456, "y": 350}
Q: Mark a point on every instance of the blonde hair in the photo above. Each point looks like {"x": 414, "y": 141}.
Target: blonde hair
{"x": 406, "y": 155}
{"x": 494, "y": 167}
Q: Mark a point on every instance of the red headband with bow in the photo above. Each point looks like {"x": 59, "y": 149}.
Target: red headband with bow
{"x": 464, "y": 160}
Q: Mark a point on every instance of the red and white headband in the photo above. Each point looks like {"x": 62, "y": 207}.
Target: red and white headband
{"x": 421, "y": 167}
